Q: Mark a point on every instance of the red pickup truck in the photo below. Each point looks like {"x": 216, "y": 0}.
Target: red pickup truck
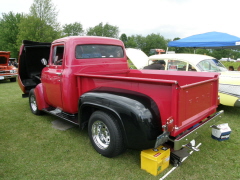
{"x": 87, "y": 81}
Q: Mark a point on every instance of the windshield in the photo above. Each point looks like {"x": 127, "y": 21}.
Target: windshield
{"x": 211, "y": 65}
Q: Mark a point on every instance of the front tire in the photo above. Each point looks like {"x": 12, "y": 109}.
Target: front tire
{"x": 33, "y": 103}
{"x": 105, "y": 134}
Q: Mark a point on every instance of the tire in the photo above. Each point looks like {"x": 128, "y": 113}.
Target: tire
{"x": 33, "y": 103}
{"x": 105, "y": 134}
{"x": 13, "y": 79}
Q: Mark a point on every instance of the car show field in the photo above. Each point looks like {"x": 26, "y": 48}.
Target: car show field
{"x": 32, "y": 149}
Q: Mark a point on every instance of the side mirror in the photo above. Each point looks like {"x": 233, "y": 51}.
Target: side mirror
{"x": 44, "y": 61}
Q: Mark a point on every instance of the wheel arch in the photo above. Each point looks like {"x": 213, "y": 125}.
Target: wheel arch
{"x": 139, "y": 119}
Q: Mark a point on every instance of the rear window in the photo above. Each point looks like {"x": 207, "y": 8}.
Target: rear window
{"x": 3, "y": 60}
{"x": 98, "y": 51}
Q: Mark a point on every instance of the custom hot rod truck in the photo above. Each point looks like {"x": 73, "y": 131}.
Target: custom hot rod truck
{"x": 87, "y": 81}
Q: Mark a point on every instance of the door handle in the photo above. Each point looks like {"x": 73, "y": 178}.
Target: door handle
{"x": 59, "y": 74}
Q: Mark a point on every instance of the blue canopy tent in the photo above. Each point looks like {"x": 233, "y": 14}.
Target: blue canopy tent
{"x": 210, "y": 40}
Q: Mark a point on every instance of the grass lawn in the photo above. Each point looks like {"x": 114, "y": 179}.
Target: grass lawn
{"x": 32, "y": 149}
{"x": 234, "y": 64}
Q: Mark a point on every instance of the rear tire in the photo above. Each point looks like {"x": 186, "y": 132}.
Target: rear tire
{"x": 105, "y": 134}
{"x": 33, "y": 103}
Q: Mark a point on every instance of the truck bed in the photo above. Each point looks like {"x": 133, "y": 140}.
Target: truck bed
{"x": 184, "y": 97}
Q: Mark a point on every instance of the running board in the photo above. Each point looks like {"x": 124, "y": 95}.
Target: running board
{"x": 59, "y": 113}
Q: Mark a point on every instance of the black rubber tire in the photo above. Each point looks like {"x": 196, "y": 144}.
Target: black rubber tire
{"x": 105, "y": 134}
{"x": 13, "y": 79}
{"x": 33, "y": 103}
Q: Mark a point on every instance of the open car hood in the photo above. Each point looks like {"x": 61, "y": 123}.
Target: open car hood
{"x": 138, "y": 57}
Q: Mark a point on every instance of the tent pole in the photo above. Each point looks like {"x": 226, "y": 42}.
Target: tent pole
{"x": 167, "y": 50}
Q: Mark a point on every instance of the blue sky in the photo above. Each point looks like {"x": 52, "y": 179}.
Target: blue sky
{"x": 170, "y": 18}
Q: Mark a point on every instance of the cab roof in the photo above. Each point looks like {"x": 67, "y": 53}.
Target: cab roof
{"x": 89, "y": 40}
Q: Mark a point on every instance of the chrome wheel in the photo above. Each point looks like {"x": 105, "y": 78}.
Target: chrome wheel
{"x": 105, "y": 134}
{"x": 100, "y": 135}
{"x": 33, "y": 103}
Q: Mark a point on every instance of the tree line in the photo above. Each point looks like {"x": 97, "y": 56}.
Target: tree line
{"x": 41, "y": 25}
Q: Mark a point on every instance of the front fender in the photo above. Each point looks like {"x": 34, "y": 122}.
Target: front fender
{"x": 137, "y": 114}
{"x": 39, "y": 94}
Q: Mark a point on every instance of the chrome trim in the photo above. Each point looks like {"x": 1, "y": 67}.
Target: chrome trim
{"x": 195, "y": 132}
{"x": 8, "y": 76}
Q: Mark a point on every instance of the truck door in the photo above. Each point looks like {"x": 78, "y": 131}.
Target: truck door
{"x": 52, "y": 77}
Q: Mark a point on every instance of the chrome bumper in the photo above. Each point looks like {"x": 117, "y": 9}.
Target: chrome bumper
{"x": 2, "y": 77}
{"x": 184, "y": 139}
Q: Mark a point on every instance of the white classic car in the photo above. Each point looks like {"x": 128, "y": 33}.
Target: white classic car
{"x": 229, "y": 81}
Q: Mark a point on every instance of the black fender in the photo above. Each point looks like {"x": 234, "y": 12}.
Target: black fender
{"x": 137, "y": 114}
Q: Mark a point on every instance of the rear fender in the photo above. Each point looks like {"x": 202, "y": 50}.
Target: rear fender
{"x": 137, "y": 115}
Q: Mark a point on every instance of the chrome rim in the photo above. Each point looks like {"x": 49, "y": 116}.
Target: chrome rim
{"x": 33, "y": 103}
{"x": 100, "y": 134}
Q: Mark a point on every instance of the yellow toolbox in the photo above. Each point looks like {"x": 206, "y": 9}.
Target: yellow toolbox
{"x": 155, "y": 161}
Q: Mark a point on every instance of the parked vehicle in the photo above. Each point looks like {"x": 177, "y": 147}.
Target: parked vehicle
{"x": 87, "y": 81}
{"x": 229, "y": 81}
{"x": 7, "y": 71}
{"x": 156, "y": 51}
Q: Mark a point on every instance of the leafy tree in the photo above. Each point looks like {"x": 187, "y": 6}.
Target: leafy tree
{"x": 124, "y": 39}
{"x": 131, "y": 42}
{"x": 74, "y": 29}
{"x": 203, "y": 51}
{"x": 45, "y": 11}
{"x": 222, "y": 53}
{"x": 106, "y": 30}
{"x": 34, "y": 29}
{"x": 9, "y": 31}
{"x": 235, "y": 54}
{"x": 154, "y": 41}
{"x": 141, "y": 42}
{"x": 40, "y": 24}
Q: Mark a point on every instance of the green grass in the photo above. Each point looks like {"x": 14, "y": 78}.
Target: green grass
{"x": 234, "y": 64}
{"x": 32, "y": 149}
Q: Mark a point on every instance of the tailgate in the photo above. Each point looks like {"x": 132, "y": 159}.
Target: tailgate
{"x": 196, "y": 102}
